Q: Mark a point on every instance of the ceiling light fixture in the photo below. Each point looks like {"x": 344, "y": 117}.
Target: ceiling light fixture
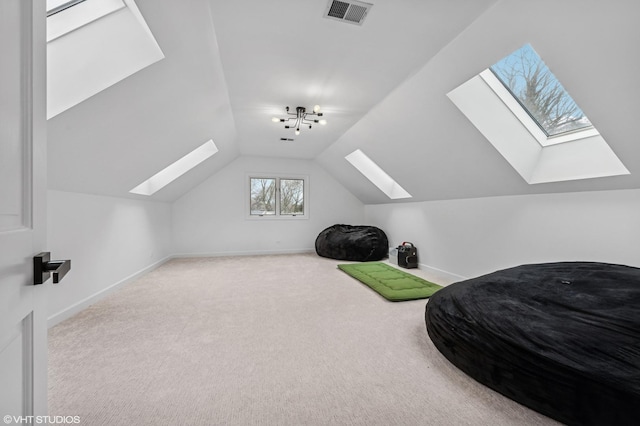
{"x": 301, "y": 118}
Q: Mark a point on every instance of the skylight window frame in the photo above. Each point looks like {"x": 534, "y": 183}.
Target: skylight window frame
{"x": 376, "y": 175}
{"x": 505, "y": 92}
{"x": 522, "y": 114}
{"x": 549, "y": 136}
{"x": 278, "y": 215}
{"x": 62, "y": 6}
{"x": 92, "y": 46}
{"x": 69, "y": 17}
{"x": 176, "y": 169}
{"x": 579, "y": 159}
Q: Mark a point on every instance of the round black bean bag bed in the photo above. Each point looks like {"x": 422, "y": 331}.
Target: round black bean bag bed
{"x": 560, "y": 338}
{"x": 352, "y": 242}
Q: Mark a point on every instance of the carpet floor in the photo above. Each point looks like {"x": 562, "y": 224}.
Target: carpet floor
{"x": 261, "y": 340}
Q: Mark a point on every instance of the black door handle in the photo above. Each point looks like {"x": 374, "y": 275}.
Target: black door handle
{"x": 43, "y": 266}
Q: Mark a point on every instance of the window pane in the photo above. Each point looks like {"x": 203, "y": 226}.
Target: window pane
{"x": 291, "y": 196}
{"x": 263, "y": 196}
{"x": 539, "y": 92}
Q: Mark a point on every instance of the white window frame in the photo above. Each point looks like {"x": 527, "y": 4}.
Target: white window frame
{"x": 376, "y": 175}
{"x": 176, "y": 169}
{"x": 584, "y": 157}
{"x": 521, "y": 114}
{"x": 278, "y": 177}
{"x": 79, "y": 14}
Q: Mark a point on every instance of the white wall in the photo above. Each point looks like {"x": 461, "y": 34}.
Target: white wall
{"x": 211, "y": 219}
{"x": 109, "y": 241}
{"x": 470, "y": 237}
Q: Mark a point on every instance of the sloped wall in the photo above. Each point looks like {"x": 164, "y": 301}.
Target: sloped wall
{"x": 212, "y": 219}
{"x": 471, "y": 237}
{"x": 109, "y": 241}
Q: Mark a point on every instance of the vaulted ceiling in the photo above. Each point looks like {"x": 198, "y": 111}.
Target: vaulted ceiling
{"x": 230, "y": 66}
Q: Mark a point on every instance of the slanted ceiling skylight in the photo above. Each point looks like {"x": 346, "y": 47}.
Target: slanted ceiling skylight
{"x": 525, "y": 113}
{"x": 55, "y": 6}
{"x": 376, "y": 175}
{"x": 92, "y": 45}
{"x": 175, "y": 170}
{"x": 539, "y": 92}
{"x": 77, "y": 13}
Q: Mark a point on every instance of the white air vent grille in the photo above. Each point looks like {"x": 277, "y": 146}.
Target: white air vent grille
{"x": 353, "y": 12}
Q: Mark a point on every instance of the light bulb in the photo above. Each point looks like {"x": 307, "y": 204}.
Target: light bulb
{"x": 275, "y": 119}
{"x": 323, "y": 122}
{"x": 297, "y": 132}
{"x": 316, "y": 109}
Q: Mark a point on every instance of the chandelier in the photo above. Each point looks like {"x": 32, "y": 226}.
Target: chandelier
{"x": 301, "y": 118}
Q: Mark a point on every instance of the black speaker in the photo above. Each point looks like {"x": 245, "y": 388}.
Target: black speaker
{"x": 407, "y": 255}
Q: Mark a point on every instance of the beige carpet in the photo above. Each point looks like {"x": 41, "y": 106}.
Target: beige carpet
{"x": 264, "y": 340}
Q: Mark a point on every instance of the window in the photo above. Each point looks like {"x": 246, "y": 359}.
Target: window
{"x": 263, "y": 196}
{"x": 173, "y": 171}
{"x": 539, "y": 92}
{"x": 376, "y": 175}
{"x": 291, "y": 196}
{"x": 92, "y": 45}
{"x": 278, "y": 197}
{"x": 560, "y": 144}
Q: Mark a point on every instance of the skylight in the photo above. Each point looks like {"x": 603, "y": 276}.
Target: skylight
{"x": 569, "y": 148}
{"x": 376, "y": 175}
{"x": 56, "y": 4}
{"x": 539, "y": 92}
{"x": 77, "y": 13}
{"x": 175, "y": 170}
{"x": 92, "y": 45}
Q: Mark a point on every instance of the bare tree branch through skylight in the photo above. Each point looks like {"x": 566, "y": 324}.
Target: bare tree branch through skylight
{"x": 540, "y": 93}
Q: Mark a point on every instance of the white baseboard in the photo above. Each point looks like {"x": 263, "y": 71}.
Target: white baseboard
{"x": 450, "y": 276}
{"x": 429, "y": 273}
{"x": 85, "y": 303}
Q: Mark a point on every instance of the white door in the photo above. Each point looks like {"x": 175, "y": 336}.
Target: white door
{"x": 23, "y": 325}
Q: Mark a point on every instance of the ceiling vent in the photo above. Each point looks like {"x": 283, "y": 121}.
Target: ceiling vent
{"x": 352, "y": 11}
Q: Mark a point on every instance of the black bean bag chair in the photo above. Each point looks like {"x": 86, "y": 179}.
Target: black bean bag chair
{"x": 560, "y": 338}
{"x": 357, "y": 243}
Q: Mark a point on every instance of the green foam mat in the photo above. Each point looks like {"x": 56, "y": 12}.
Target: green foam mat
{"x": 393, "y": 284}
